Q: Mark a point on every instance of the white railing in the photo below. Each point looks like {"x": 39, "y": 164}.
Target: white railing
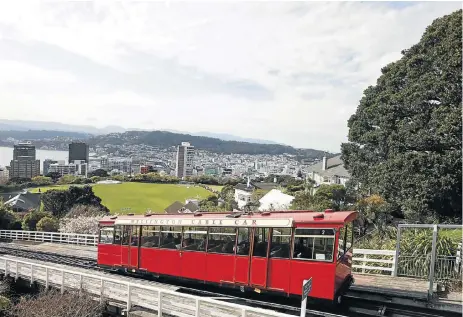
{"x": 54, "y": 237}
{"x": 371, "y": 261}
{"x": 131, "y": 294}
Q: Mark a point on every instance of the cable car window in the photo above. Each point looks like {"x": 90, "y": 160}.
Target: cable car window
{"x": 150, "y": 236}
{"x": 260, "y": 242}
{"x": 281, "y": 243}
{"x": 171, "y": 237}
{"x": 244, "y": 241}
{"x": 341, "y": 244}
{"x": 125, "y": 235}
{"x": 117, "y": 235}
{"x": 135, "y": 236}
{"x": 316, "y": 247}
{"x": 221, "y": 240}
{"x": 194, "y": 239}
{"x": 106, "y": 235}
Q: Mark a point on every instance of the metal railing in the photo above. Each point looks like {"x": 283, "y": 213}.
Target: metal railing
{"x": 54, "y": 237}
{"x": 131, "y": 294}
{"x": 367, "y": 261}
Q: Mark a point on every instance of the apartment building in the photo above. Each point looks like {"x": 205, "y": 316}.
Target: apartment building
{"x": 185, "y": 155}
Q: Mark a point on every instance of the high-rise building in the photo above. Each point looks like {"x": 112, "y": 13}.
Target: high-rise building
{"x": 79, "y": 151}
{"x": 24, "y": 151}
{"x": 46, "y": 166}
{"x": 24, "y": 164}
{"x": 185, "y": 154}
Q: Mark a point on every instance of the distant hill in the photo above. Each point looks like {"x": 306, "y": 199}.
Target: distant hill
{"x": 42, "y": 135}
{"x": 165, "y": 139}
{"x": 22, "y": 125}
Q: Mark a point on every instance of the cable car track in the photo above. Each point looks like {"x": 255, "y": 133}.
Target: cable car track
{"x": 353, "y": 305}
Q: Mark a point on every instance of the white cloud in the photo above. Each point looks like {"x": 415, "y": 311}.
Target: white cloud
{"x": 292, "y": 72}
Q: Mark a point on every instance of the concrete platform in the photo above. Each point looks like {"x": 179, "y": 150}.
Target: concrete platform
{"x": 392, "y": 286}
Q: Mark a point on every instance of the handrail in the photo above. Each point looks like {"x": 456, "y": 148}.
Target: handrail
{"x": 55, "y": 237}
{"x": 129, "y": 288}
{"x": 370, "y": 264}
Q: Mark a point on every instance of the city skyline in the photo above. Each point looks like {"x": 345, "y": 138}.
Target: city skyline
{"x": 288, "y": 72}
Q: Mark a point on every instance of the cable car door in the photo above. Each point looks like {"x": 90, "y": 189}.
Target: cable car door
{"x": 259, "y": 258}
{"x": 129, "y": 246}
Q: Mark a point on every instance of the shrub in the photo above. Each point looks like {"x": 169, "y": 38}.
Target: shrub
{"x": 52, "y": 303}
{"x": 48, "y": 224}
{"x": 32, "y": 218}
{"x": 7, "y": 217}
{"x": 85, "y": 211}
{"x": 80, "y": 224}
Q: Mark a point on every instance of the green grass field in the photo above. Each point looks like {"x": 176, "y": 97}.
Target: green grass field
{"x": 45, "y": 188}
{"x": 140, "y": 196}
{"x": 216, "y": 187}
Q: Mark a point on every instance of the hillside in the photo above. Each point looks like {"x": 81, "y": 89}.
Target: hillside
{"x": 164, "y": 139}
{"x": 41, "y": 135}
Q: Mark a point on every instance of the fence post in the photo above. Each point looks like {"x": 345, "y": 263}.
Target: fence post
{"x": 364, "y": 263}
{"x": 32, "y": 274}
{"x": 433, "y": 261}
{"x": 46, "y": 278}
{"x": 397, "y": 252}
{"x": 62, "y": 282}
{"x": 80, "y": 283}
{"x": 17, "y": 271}
{"x": 6, "y": 268}
{"x": 101, "y": 291}
{"x": 129, "y": 302}
{"x": 197, "y": 308}
{"x": 159, "y": 303}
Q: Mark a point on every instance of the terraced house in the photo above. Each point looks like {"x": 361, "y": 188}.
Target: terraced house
{"x": 329, "y": 171}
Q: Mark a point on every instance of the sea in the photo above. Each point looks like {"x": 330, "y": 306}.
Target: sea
{"x": 6, "y": 155}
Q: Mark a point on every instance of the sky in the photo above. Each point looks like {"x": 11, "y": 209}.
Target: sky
{"x": 290, "y": 72}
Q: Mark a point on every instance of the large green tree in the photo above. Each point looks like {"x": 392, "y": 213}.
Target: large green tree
{"x": 405, "y": 137}
{"x": 60, "y": 202}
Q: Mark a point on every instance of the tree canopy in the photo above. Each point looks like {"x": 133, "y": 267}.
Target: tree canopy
{"x": 60, "y": 202}
{"x": 405, "y": 137}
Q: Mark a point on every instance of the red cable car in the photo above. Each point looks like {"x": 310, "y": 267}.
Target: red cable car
{"x": 264, "y": 252}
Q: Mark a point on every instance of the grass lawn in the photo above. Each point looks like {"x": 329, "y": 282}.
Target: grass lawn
{"x": 216, "y": 187}
{"x": 45, "y": 188}
{"x": 139, "y": 196}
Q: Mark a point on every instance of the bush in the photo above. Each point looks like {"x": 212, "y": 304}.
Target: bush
{"x": 31, "y": 219}
{"x": 48, "y": 224}
{"x": 52, "y": 303}
{"x": 80, "y": 224}
{"x": 85, "y": 211}
{"x": 7, "y": 217}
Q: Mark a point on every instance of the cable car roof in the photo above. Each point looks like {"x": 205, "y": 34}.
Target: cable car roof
{"x": 236, "y": 219}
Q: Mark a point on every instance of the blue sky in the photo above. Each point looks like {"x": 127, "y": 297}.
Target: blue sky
{"x": 292, "y": 72}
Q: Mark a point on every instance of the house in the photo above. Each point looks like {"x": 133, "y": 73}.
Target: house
{"x": 275, "y": 200}
{"x": 329, "y": 171}
{"x": 243, "y": 192}
{"x": 22, "y": 202}
{"x": 177, "y": 207}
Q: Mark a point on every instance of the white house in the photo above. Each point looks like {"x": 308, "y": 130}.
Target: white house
{"x": 275, "y": 200}
{"x": 243, "y": 192}
{"x": 329, "y": 171}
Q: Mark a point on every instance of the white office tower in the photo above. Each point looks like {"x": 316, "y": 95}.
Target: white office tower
{"x": 185, "y": 154}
